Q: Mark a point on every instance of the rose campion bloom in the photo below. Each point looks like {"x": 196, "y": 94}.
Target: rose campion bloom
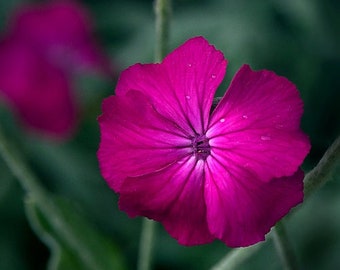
{"x": 46, "y": 44}
{"x": 227, "y": 173}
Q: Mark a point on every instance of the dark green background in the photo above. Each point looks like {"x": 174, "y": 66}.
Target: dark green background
{"x": 299, "y": 39}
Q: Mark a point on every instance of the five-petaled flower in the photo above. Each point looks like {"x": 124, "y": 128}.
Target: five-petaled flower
{"x": 229, "y": 174}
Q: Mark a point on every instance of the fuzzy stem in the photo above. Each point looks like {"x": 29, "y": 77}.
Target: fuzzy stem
{"x": 19, "y": 169}
{"x": 163, "y": 13}
{"x": 235, "y": 257}
{"x": 40, "y": 196}
{"x": 323, "y": 171}
{"x": 146, "y": 244}
{"x": 283, "y": 247}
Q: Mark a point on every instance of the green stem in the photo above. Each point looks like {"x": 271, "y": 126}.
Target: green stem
{"x": 19, "y": 169}
{"x": 37, "y": 193}
{"x": 146, "y": 244}
{"x": 163, "y": 13}
{"x": 283, "y": 247}
{"x": 323, "y": 171}
{"x": 235, "y": 257}
{"x": 313, "y": 180}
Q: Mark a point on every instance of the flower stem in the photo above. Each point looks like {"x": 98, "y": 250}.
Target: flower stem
{"x": 20, "y": 170}
{"x": 283, "y": 247}
{"x": 146, "y": 244}
{"x": 37, "y": 194}
{"x": 322, "y": 172}
{"x": 163, "y": 13}
{"x": 235, "y": 257}
{"x": 313, "y": 180}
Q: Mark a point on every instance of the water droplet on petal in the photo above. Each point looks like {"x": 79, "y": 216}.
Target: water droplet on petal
{"x": 189, "y": 65}
{"x": 188, "y": 97}
{"x": 222, "y": 120}
{"x": 213, "y": 76}
{"x": 265, "y": 138}
{"x": 245, "y": 116}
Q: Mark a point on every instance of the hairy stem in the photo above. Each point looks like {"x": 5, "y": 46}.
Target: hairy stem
{"x": 20, "y": 170}
{"x": 40, "y": 196}
{"x": 163, "y": 13}
{"x": 235, "y": 257}
{"x": 145, "y": 244}
{"x": 323, "y": 171}
{"x": 283, "y": 247}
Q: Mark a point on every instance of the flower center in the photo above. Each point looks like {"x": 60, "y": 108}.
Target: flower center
{"x": 201, "y": 147}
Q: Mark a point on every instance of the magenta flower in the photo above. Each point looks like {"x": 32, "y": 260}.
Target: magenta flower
{"x": 229, "y": 174}
{"x": 45, "y": 45}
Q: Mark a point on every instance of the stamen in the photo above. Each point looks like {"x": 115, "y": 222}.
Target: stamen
{"x": 201, "y": 147}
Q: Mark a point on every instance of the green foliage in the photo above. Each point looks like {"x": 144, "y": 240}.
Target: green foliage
{"x": 73, "y": 242}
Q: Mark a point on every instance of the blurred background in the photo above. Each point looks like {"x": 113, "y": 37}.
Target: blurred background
{"x": 298, "y": 39}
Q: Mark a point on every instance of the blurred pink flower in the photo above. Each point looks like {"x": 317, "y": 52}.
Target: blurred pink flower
{"x": 62, "y": 30}
{"x": 46, "y": 44}
{"x": 39, "y": 92}
{"x": 229, "y": 174}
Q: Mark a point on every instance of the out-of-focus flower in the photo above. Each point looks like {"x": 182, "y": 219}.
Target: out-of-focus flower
{"x": 39, "y": 92}
{"x": 62, "y": 31}
{"x": 229, "y": 174}
{"x": 45, "y": 46}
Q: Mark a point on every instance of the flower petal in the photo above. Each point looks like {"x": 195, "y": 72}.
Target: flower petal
{"x": 256, "y": 124}
{"x": 136, "y": 139}
{"x": 36, "y": 90}
{"x": 173, "y": 196}
{"x": 183, "y": 85}
{"x": 241, "y": 210}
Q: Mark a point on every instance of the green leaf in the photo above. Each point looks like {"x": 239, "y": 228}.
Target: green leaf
{"x": 73, "y": 242}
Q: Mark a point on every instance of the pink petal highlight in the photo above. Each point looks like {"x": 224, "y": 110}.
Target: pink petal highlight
{"x": 183, "y": 85}
{"x": 173, "y": 196}
{"x": 257, "y": 124}
{"x": 241, "y": 210}
{"x": 37, "y": 91}
{"x": 136, "y": 139}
